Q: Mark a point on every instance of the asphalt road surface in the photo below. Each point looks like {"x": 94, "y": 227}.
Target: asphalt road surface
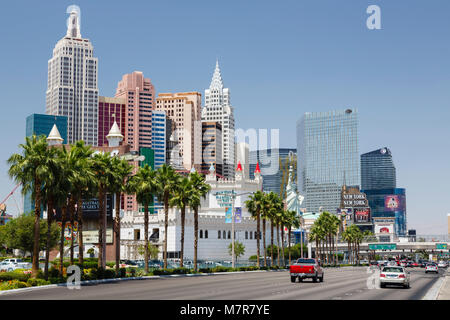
{"x": 339, "y": 284}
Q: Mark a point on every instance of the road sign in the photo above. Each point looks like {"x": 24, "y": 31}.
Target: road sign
{"x": 382, "y": 246}
{"x": 224, "y": 198}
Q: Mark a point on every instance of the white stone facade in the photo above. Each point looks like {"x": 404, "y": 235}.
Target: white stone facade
{"x": 218, "y": 109}
{"x": 72, "y": 89}
{"x": 211, "y": 220}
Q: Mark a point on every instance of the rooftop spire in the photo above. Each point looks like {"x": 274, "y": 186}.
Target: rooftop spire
{"x": 216, "y": 81}
{"x": 54, "y": 137}
{"x": 73, "y": 22}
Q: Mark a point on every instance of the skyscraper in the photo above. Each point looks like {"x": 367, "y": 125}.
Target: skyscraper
{"x": 212, "y": 147}
{"x": 72, "y": 84}
{"x": 377, "y": 170}
{"x": 218, "y": 109}
{"x": 379, "y": 183}
{"x": 138, "y": 93}
{"x": 328, "y": 157}
{"x": 184, "y": 109}
{"x": 110, "y": 110}
{"x": 159, "y": 137}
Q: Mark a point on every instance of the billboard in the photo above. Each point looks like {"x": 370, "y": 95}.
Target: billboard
{"x": 384, "y": 228}
{"x": 238, "y": 215}
{"x": 362, "y": 215}
{"x": 228, "y": 215}
{"x": 394, "y": 202}
{"x": 91, "y": 209}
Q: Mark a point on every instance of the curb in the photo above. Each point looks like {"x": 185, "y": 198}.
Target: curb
{"x": 433, "y": 292}
{"x": 443, "y": 285}
{"x": 86, "y": 282}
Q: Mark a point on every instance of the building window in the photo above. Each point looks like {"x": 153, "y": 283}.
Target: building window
{"x": 224, "y": 234}
{"x": 246, "y": 235}
{"x": 229, "y": 234}
{"x": 218, "y": 234}
{"x": 251, "y": 234}
{"x": 206, "y": 234}
{"x": 201, "y": 234}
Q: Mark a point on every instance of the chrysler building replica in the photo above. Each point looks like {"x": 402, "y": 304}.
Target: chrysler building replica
{"x": 72, "y": 83}
{"x": 218, "y": 109}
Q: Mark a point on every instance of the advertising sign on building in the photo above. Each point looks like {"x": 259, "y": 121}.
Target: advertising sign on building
{"x": 384, "y": 228}
{"x": 362, "y": 215}
{"x": 91, "y": 237}
{"x": 394, "y": 202}
{"x": 354, "y": 200}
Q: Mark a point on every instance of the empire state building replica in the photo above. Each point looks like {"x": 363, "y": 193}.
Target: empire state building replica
{"x": 218, "y": 109}
{"x": 72, "y": 84}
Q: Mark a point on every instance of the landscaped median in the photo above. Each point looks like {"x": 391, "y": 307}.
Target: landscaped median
{"x": 21, "y": 279}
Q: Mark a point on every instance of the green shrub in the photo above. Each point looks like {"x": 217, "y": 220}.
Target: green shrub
{"x": 221, "y": 269}
{"x": 109, "y": 274}
{"x": 13, "y": 284}
{"x": 131, "y": 272}
{"x": 14, "y": 275}
{"x": 162, "y": 272}
{"x": 180, "y": 271}
{"x": 37, "y": 282}
{"x": 122, "y": 273}
{"x": 205, "y": 270}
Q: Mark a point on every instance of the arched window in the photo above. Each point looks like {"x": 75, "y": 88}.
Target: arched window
{"x": 206, "y": 234}
{"x": 246, "y": 235}
{"x": 224, "y": 234}
{"x": 218, "y": 234}
{"x": 251, "y": 234}
{"x": 229, "y": 234}
{"x": 201, "y": 234}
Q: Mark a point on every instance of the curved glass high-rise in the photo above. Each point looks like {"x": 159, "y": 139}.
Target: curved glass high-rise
{"x": 328, "y": 157}
{"x": 377, "y": 170}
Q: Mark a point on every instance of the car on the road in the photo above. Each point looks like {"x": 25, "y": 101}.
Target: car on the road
{"x": 306, "y": 268}
{"x": 364, "y": 261}
{"x": 373, "y": 264}
{"x": 391, "y": 264}
{"x": 423, "y": 263}
{"x": 431, "y": 267}
{"x": 415, "y": 264}
{"x": 394, "y": 275}
{"x": 442, "y": 264}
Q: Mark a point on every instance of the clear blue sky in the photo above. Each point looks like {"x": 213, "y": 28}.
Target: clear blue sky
{"x": 279, "y": 59}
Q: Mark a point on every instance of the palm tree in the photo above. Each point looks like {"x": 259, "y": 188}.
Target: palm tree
{"x": 274, "y": 205}
{"x": 143, "y": 185}
{"x": 255, "y": 205}
{"x": 166, "y": 183}
{"x": 199, "y": 189}
{"x": 181, "y": 200}
{"x": 32, "y": 169}
{"x": 292, "y": 221}
{"x": 123, "y": 170}
{"x": 101, "y": 165}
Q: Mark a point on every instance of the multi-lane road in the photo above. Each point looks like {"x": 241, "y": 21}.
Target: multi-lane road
{"x": 339, "y": 284}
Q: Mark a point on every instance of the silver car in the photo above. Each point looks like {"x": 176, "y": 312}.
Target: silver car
{"x": 394, "y": 275}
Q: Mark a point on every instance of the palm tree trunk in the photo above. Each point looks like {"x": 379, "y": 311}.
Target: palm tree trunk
{"x": 195, "y": 237}
{"x": 271, "y": 243}
{"x": 49, "y": 224}
{"x": 37, "y": 217}
{"x": 117, "y": 232}
{"x": 289, "y": 245}
{"x": 80, "y": 231}
{"x": 278, "y": 243}
{"x": 166, "y": 225}
{"x": 101, "y": 201}
{"x": 61, "y": 244}
{"x": 264, "y": 242}
{"x": 72, "y": 223}
{"x": 146, "y": 236}
{"x": 183, "y": 216}
{"x": 258, "y": 231}
{"x": 282, "y": 245}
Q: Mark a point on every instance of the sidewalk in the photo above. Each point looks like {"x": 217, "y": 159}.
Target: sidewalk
{"x": 444, "y": 293}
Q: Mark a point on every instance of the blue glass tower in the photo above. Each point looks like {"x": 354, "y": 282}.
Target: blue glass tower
{"x": 328, "y": 157}
{"x": 159, "y": 137}
{"x": 379, "y": 183}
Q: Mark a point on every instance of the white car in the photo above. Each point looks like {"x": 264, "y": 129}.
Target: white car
{"x": 442, "y": 264}
{"x": 395, "y": 276}
{"x": 13, "y": 264}
{"x": 431, "y": 267}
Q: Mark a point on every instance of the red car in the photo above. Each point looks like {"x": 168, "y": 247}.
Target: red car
{"x": 306, "y": 268}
